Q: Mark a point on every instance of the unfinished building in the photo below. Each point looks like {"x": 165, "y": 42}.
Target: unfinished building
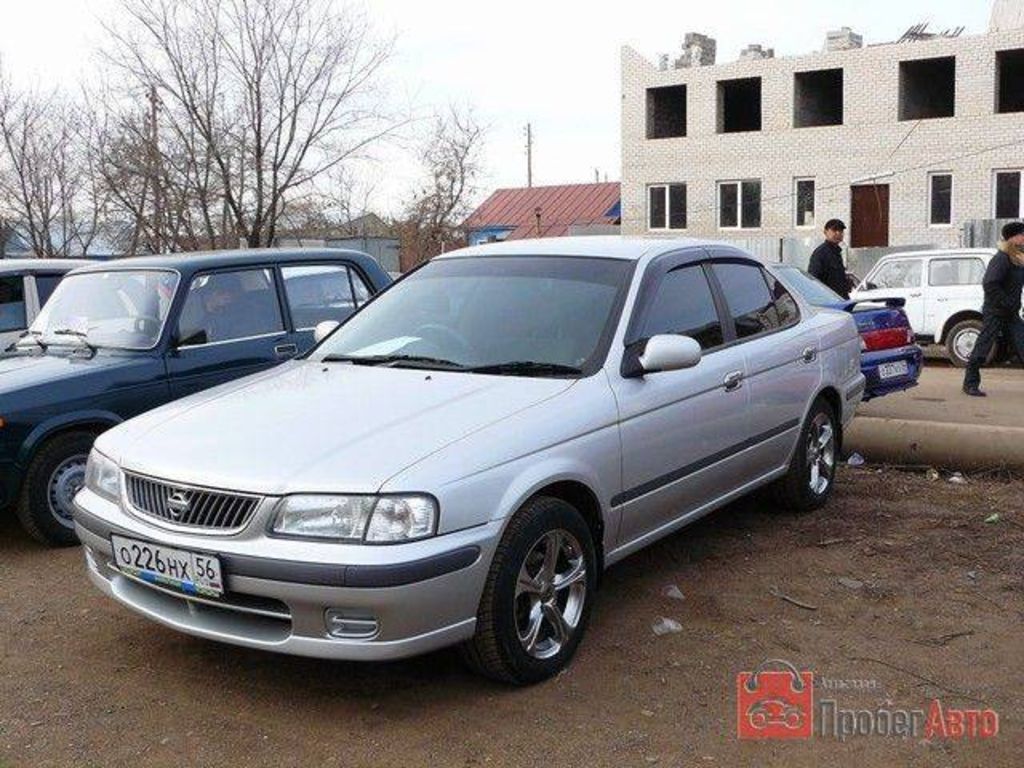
{"x": 904, "y": 141}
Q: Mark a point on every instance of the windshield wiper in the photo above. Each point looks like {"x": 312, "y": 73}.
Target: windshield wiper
{"x": 527, "y": 368}
{"x": 32, "y": 336}
{"x": 82, "y": 336}
{"x": 395, "y": 361}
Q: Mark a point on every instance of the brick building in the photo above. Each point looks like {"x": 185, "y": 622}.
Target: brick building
{"x": 905, "y": 141}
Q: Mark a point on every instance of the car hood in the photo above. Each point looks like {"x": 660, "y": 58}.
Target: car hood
{"x": 24, "y": 371}
{"x": 311, "y": 427}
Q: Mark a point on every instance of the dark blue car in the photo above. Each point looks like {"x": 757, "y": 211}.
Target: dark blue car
{"x": 890, "y": 359}
{"x": 120, "y": 338}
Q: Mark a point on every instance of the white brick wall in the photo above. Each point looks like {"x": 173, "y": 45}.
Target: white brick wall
{"x": 865, "y": 145}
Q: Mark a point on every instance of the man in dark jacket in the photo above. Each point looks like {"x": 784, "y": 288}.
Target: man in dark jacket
{"x": 827, "y": 259}
{"x": 1003, "y": 283}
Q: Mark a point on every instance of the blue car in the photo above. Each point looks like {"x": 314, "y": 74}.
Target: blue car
{"x": 890, "y": 359}
{"x": 119, "y": 338}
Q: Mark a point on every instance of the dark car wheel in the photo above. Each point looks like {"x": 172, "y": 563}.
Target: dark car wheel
{"x": 55, "y": 475}
{"x": 538, "y": 595}
{"x": 960, "y": 343}
{"x": 808, "y": 484}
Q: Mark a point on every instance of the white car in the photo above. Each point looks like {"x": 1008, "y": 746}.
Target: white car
{"x": 25, "y": 285}
{"x": 460, "y": 459}
{"x": 943, "y": 292}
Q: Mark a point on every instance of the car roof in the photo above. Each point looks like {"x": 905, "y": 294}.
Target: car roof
{"x": 940, "y": 253}
{"x": 198, "y": 261}
{"x": 32, "y": 266}
{"x": 603, "y": 246}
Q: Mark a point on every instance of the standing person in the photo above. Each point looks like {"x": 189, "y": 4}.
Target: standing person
{"x": 1003, "y": 283}
{"x": 827, "y": 259}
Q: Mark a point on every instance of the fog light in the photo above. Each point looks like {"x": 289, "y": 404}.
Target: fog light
{"x": 343, "y": 625}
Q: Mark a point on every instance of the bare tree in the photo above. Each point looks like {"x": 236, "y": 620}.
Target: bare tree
{"x": 450, "y": 156}
{"x": 47, "y": 175}
{"x": 261, "y": 97}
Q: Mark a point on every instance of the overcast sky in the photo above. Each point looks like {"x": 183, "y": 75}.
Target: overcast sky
{"x": 553, "y": 63}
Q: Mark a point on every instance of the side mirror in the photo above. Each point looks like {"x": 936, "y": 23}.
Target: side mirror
{"x": 324, "y": 329}
{"x": 668, "y": 352}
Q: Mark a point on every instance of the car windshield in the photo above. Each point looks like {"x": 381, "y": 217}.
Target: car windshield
{"x": 122, "y": 309}
{"x": 812, "y": 289}
{"x": 515, "y": 315}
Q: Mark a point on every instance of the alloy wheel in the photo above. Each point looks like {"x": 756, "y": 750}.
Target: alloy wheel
{"x": 551, "y": 590}
{"x": 821, "y": 453}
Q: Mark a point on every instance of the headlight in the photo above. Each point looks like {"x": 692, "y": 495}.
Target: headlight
{"x": 374, "y": 519}
{"x": 102, "y": 476}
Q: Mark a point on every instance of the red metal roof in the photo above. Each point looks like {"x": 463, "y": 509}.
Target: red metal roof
{"x": 560, "y": 207}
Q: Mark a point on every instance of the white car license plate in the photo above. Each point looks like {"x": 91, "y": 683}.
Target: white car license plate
{"x": 892, "y": 370}
{"x": 191, "y": 572}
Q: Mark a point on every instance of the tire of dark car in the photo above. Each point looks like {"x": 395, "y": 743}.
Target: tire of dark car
{"x": 33, "y": 506}
{"x": 954, "y": 342}
{"x": 795, "y": 490}
{"x": 498, "y": 650}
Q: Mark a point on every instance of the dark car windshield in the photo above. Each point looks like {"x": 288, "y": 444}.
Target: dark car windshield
{"x": 812, "y": 289}
{"x": 123, "y": 309}
{"x": 518, "y": 315}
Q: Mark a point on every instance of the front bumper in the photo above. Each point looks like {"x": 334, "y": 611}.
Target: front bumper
{"x": 417, "y": 597}
{"x": 871, "y": 362}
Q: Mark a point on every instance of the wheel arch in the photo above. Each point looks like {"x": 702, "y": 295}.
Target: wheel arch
{"x": 85, "y": 421}
{"x": 952, "y": 320}
{"x": 835, "y": 401}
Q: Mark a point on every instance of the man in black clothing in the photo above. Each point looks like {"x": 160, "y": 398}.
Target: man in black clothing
{"x": 827, "y": 259}
{"x": 1003, "y": 282}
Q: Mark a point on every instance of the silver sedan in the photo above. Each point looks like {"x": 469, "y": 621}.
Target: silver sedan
{"x": 458, "y": 461}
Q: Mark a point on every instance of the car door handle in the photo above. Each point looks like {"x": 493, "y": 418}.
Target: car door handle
{"x": 286, "y": 350}
{"x": 809, "y": 355}
{"x": 733, "y": 381}
{"x": 942, "y": 300}
{"x": 916, "y": 295}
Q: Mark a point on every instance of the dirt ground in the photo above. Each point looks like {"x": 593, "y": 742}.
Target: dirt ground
{"x": 931, "y": 605}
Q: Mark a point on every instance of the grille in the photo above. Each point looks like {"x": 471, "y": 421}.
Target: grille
{"x": 192, "y": 507}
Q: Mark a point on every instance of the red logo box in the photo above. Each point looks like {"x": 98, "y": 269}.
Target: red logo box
{"x": 773, "y": 704}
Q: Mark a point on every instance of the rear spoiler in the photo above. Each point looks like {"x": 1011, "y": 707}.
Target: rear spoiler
{"x": 892, "y": 302}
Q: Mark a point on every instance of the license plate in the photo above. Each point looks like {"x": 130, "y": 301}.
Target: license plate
{"x": 190, "y": 572}
{"x": 893, "y": 370}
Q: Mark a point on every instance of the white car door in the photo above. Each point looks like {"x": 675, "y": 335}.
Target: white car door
{"x": 954, "y": 285}
{"x": 901, "y": 278}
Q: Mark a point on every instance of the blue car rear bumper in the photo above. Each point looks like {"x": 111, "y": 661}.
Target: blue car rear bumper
{"x": 870, "y": 366}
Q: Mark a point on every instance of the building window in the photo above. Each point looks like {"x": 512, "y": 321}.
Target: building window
{"x": 1010, "y": 81}
{"x": 940, "y": 199}
{"x": 804, "y": 195}
{"x": 739, "y": 105}
{"x": 739, "y": 204}
{"x": 666, "y": 208}
{"x": 818, "y": 98}
{"x": 1008, "y": 195}
{"x": 927, "y": 88}
{"x": 666, "y": 112}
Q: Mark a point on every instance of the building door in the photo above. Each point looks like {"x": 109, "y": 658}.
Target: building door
{"x": 870, "y": 216}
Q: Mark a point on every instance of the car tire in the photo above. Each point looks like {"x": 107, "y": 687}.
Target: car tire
{"x": 520, "y": 638}
{"x": 54, "y": 475}
{"x": 808, "y": 484}
{"x": 958, "y": 348}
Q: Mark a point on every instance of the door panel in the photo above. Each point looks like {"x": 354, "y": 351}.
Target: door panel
{"x": 678, "y": 427}
{"x": 953, "y": 284}
{"x": 230, "y": 326}
{"x": 869, "y": 213}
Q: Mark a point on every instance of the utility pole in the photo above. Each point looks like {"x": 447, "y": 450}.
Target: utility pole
{"x": 154, "y": 169}
{"x": 529, "y": 155}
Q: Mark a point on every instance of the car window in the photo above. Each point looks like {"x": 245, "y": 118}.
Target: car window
{"x": 956, "y": 271}
{"x": 12, "y": 303}
{"x": 319, "y": 292}
{"x": 785, "y": 304}
{"x": 226, "y": 306}
{"x": 45, "y": 285}
{"x": 359, "y": 286}
{"x": 813, "y": 290}
{"x": 684, "y": 304}
{"x": 901, "y": 273}
{"x": 751, "y": 304}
